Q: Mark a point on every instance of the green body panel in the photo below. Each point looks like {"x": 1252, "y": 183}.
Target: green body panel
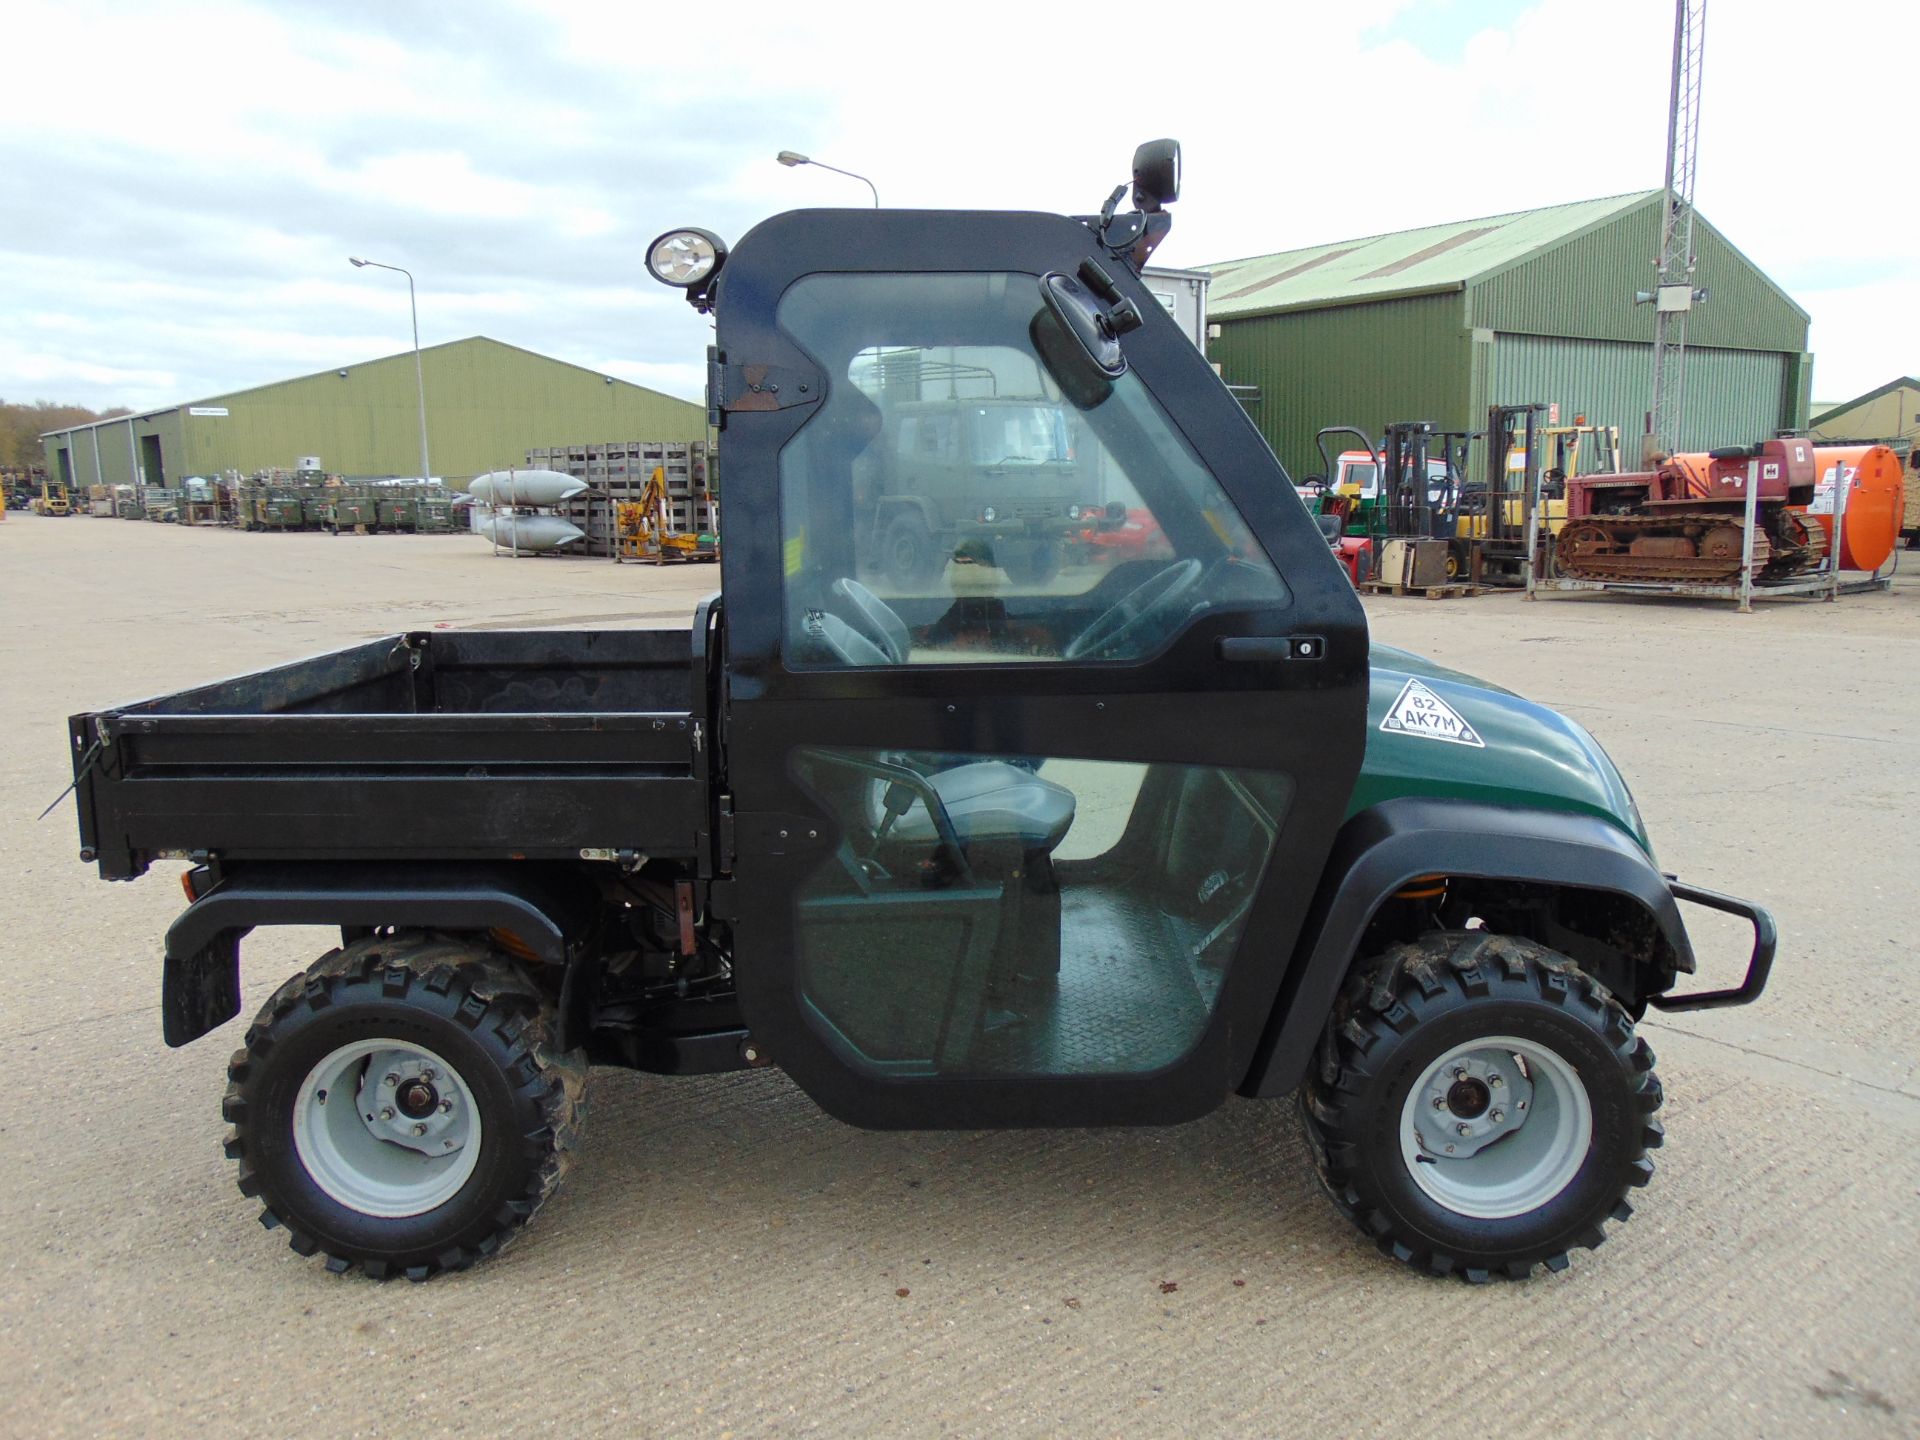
{"x": 1533, "y": 756}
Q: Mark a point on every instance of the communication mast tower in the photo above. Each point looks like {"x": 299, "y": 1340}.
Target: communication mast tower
{"x": 1674, "y": 295}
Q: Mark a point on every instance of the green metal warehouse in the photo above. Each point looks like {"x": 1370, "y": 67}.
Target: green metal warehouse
{"x": 488, "y": 403}
{"x": 1441, "y": 322}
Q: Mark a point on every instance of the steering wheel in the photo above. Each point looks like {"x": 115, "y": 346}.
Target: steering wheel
{"x": 841, "y": 641}
{"x": 1130, "y": 618}
{"x": 872, "y": 618}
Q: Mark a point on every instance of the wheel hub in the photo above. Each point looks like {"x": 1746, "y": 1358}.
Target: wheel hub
{"x": 418, "y": 1099}
{"x": 1473, "y": 1098}
{"x": 402, "y": 1100}
{"x": 386, "y": 1127}
{"x": 1496, "y": 1128}
{"x": 1469, "y": 1099}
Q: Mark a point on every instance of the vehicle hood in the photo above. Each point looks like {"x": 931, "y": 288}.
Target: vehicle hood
{"x": 1422, "y": 724}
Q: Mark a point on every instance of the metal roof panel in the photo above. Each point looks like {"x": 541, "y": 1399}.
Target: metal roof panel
{"x": 1432, "y": 257}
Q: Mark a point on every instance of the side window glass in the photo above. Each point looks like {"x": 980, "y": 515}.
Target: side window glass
{"x": 1026, "y": 915}
{"x": 949, "y": 503}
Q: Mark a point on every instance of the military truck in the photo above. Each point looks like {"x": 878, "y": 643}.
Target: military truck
{"x": 990, "y": 478}
{"x": 986, "y": 854}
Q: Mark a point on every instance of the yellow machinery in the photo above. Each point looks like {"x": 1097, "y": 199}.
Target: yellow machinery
{"x": 1565, "y": 450}
{"x": 53, "y": 500}
{"x": 641, "y": 530}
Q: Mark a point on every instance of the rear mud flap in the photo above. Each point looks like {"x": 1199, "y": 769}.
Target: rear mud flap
{"x": 200, "y": 991}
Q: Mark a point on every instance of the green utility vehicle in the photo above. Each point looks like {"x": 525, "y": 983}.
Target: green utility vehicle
{"x": 1110, "y": 849}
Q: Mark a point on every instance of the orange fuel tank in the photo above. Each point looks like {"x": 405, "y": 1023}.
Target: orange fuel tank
{"x": 1876, "y": 499}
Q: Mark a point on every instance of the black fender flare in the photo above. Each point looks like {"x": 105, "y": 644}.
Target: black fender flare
{"x": 201, "y": 985}
{"x": 1381, "y": 849}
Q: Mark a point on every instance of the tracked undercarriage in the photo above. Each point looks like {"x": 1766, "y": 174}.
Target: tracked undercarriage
{"x": 1703, "y": 547}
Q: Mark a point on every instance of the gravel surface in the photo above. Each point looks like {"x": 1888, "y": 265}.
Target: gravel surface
{"x": 727, "y": 1260}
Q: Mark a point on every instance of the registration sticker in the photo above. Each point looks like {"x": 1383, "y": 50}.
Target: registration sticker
{"x": 1418, "y": 711}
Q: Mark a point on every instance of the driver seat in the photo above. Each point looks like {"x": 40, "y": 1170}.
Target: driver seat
{"x": 1008, "y": 822}
{"x": 990, "y": 802}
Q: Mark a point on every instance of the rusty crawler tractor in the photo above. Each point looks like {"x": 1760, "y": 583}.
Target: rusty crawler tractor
{"x": 1685, "y": 520}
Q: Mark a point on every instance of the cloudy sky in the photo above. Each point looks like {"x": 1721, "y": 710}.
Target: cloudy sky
{"x": 185, "y": 181}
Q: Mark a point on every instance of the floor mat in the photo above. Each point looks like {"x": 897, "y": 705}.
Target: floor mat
{"x": 1125, "y": 1001}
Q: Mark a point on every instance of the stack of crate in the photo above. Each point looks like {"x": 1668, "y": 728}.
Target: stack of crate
{"x": 616, "y": 473}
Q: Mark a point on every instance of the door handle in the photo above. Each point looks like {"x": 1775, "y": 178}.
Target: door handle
{"x": 1268, "y": 649}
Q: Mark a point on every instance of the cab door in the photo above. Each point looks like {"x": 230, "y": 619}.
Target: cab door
{"x": 1023, "y": 834}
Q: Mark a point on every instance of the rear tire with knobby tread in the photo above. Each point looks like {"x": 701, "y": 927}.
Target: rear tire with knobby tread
{"x": 1417, "y": 1003}
{"x": 456, "y": 998}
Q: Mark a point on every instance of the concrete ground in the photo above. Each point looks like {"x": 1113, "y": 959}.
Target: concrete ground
{"x": 727, "y": 1260}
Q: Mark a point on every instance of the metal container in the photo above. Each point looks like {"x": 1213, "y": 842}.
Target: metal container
{"x": 1876, "y": 501}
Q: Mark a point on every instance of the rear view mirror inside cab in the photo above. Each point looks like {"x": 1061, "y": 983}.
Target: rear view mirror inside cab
{"x": 1076, "y": 341}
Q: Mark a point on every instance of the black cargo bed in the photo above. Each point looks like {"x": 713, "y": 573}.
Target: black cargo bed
{"x": 429, "y": 745}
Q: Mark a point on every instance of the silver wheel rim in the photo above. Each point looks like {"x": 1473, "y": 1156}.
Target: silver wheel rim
{"x": 1496, "y": 1128}
{"x": 387, "y": 1128}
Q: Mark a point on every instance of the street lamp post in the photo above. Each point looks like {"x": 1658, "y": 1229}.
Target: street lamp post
{"x": 419, "y": 376}
{"x": 791, "y": 158}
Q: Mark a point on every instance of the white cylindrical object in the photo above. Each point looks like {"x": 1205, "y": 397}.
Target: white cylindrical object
{"x": 525, "y": 487}
{"x": 535, "y": 533}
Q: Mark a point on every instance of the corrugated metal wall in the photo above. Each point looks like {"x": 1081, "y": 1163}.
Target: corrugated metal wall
{"x": 1586, "y": 287}
{"x": 487, "y": 405}
{"x": 119, "y": 460}
{"x": 1733, "y": 397}
{"x": 1354, "y": 365}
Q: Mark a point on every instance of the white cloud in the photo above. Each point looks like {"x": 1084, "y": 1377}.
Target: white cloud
{"x": 191, "y": 237}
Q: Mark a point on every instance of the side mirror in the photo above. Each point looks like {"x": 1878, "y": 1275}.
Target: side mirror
{"x": 1156, "y": 174}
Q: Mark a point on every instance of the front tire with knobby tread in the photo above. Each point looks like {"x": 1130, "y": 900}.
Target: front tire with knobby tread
{"x": 1418, "y": 1003}
{"x": 454, "y": 998}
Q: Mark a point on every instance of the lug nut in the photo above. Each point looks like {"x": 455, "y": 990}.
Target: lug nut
{"x": 1439, "y": 1102}
{"x": 427, "y": 1075}
{"x": 1459, "y": 1072}
{"x": 419, "y": 1129}
{"x": 1494, "y": 1080}
{"x": 387, "y": 1113}
{"x": 392, "y": 1080}
{"x": 446, "y": 1107}
{"x": 1498, "y": 1116}
{"x": 1463, "y": 1129}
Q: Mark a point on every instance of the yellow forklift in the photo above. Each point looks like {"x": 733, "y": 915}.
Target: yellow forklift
{"x": 53, "y": 499}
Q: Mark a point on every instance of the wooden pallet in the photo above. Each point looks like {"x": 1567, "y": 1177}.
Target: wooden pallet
{"x": 1459, "y": 589}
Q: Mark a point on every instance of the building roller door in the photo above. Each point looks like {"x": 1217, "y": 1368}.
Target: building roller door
{"x": 1733, "y": 397}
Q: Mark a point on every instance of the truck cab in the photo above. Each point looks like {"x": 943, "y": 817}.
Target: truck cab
{"x": 990, "y": 849}
{"x": 983, "y": 477}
